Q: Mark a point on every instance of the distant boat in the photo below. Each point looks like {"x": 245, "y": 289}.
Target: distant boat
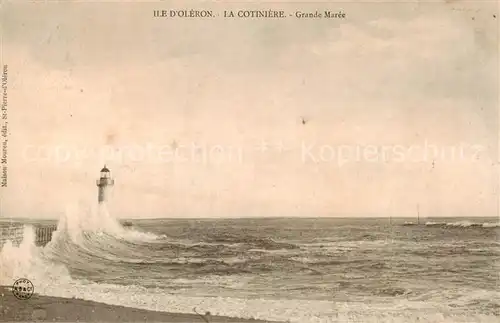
{"x": 418, "y": 218}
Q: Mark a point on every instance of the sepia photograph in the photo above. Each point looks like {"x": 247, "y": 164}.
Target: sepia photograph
{"x": 249, "y": 161}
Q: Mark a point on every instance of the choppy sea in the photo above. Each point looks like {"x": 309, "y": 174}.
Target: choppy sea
{"x": 286, "y": 269}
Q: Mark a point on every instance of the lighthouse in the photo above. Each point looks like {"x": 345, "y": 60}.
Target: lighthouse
{"x": 104, "y": 184}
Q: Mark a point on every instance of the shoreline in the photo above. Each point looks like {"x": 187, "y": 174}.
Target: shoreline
{"x": 57, "y": 309}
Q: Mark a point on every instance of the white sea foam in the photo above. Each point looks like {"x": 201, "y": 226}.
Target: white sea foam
{"x": 464, "y": 224}
{"x": 431, "y": 223}
{"x": 491, "y": 225}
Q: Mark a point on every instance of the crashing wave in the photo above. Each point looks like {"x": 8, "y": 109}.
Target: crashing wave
{"x": 435, "y": 224}
{"x": 464, "y": 224}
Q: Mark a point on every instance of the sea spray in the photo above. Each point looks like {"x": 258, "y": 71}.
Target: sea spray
{"x": 15, "y": 261}
{"x": 84, "y": 218}
{"x": 24, "y": 261}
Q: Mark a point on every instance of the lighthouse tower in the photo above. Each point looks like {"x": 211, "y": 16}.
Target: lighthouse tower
{"x": 104, "y": 184}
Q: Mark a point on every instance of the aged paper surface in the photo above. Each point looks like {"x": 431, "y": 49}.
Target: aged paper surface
{"x": 244, "y": 161}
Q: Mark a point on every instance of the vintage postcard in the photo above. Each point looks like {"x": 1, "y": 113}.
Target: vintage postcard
{"x": 249, "y": 161}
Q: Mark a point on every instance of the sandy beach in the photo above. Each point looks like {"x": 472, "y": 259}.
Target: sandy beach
{"x": 54, "y": 309}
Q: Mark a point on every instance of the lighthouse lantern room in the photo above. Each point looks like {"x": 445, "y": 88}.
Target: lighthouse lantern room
{"x": 104, "y": 183}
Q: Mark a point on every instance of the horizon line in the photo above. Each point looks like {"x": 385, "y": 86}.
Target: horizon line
{"x": 273, "y": 217}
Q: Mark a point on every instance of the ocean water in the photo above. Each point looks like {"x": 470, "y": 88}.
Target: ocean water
{"x": 284, "y": 269}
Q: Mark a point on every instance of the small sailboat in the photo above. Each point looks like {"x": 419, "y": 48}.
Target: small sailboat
{"x": 418, "y": 218}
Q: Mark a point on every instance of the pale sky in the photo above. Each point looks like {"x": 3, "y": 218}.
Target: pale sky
{"x": 394, "y": 77}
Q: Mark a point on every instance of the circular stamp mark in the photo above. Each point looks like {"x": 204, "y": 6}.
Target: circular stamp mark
{"x": 23, "y": 289}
